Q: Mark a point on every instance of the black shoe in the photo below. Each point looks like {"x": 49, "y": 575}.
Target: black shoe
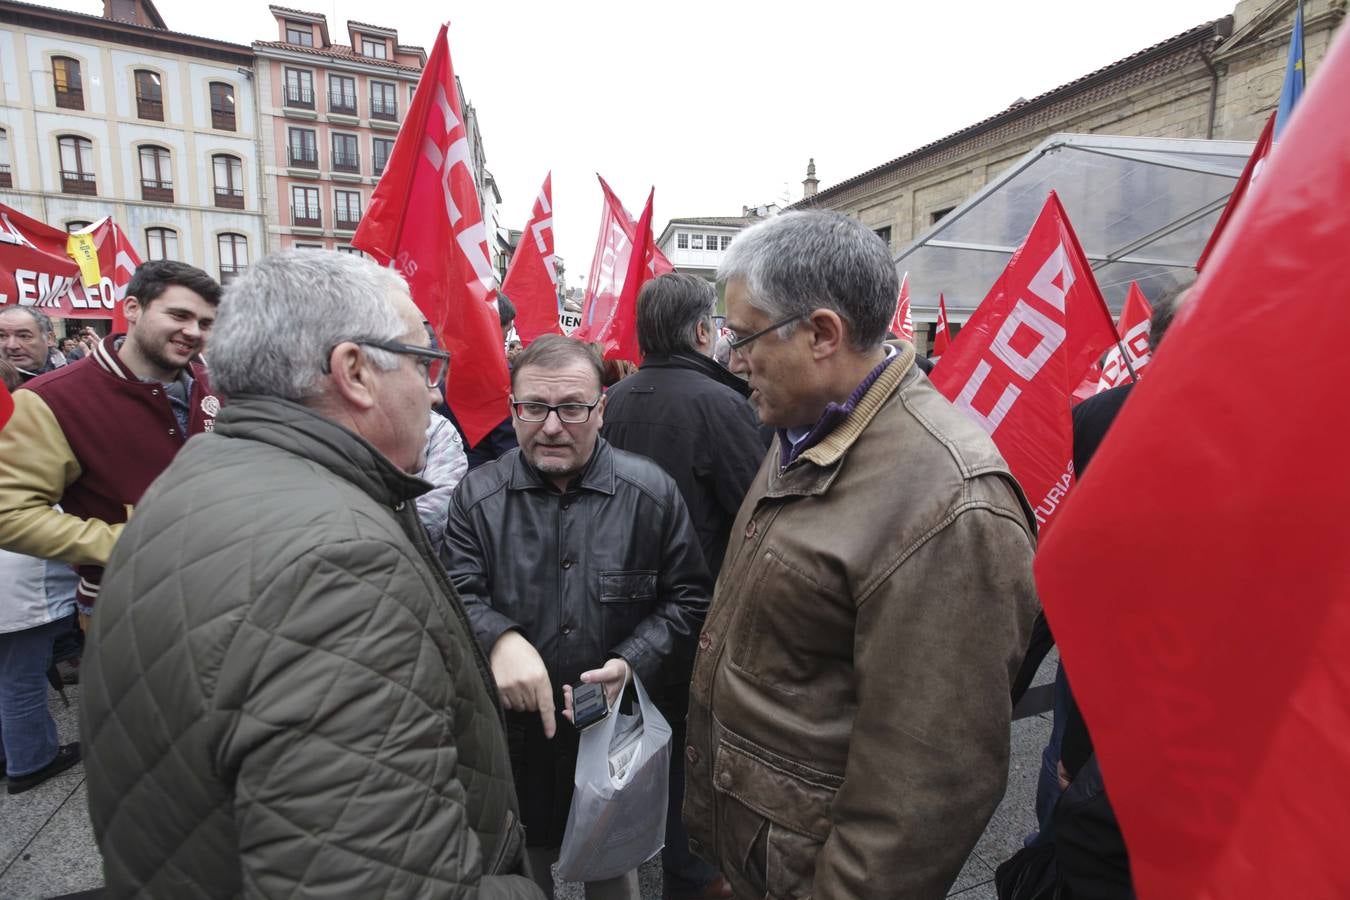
{"x": 66, "y": 756}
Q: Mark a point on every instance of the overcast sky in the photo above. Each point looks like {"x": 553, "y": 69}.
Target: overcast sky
{"x": 720, "y": 103}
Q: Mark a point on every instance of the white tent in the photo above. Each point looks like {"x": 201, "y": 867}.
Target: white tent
{"x": 1143, "y": 209}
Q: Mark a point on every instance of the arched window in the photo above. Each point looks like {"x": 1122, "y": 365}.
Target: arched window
{"x": 161, "y": 243}
{"x": 67, "y": 83}
{"x": 149, "y": 95}
{"x": 156, "y": 174}
{"x": 77, "y": 165}
{"x": 233, "y": 250}
{"x": 75, "y": 225}
{"x": 222, "y": 105}
{"x": 228, "y": 173}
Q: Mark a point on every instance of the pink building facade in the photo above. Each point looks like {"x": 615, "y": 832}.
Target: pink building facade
{"x": 329, "y": 113}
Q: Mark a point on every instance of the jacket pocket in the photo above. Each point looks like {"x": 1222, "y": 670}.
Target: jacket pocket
{"x": 507, "y": 859}
{"x": 774, "y": 815}
{"x": 637, "y": 586}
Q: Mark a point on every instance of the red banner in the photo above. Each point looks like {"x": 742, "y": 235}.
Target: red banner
{"x": 37, "y": 270}
{"x": 617, "y": 330}
{"x": 1212, "y": 670}
{"x": 531, "y": 281}
{"x": 613, "y": 249}
{"x": 425, "y": 222}
{"x": 1133, "y": 330}
{"x": 1250, "y": 172}
{"x": 902, "y": 324}
{"x": 6, "y": 404}
{"x": 942, "y": 335}
{"x": 1025, "y": 350}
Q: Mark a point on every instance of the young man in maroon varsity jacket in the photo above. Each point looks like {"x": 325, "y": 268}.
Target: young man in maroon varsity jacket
{"x": 91, "y": 436}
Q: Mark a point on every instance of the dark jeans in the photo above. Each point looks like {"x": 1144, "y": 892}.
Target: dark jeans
{"x": 1047, "y": 787}
{"x": 27, "y": 729}
{"x": 684, "y": 871}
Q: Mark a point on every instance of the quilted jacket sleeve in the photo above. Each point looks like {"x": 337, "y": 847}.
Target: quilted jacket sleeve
{"x": 342, "y": 750}
{"x": 446, "y": 465}
{"x": 664, "y": 641}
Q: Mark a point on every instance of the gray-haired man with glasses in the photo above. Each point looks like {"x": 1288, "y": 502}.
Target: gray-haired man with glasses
{"x": 577, "y": 563}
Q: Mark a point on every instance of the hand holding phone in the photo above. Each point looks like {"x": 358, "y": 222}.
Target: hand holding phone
{"x": 589, "y": 705}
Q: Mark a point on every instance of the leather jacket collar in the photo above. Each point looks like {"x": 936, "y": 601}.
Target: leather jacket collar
{"x": 597, "y": 476}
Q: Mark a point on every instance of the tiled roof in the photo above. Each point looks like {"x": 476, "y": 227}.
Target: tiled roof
{"x": 351, "y": 22}
{"x": 100, "y": 20}
{"x": 345, "y": 54}
{"x": 297, "y": 12}
{"x": 1023, "y": 108}
{"x": 728, "y": 221}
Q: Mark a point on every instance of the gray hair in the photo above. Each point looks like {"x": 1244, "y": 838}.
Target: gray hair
{"x": 802, "y": 261}
{"x": 669, "y": 309}
{"x": 280, "y": 320}
{"x": 41, "y": 320}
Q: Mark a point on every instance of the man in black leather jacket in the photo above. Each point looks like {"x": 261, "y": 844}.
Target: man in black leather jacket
{"x": 576, "y": 563}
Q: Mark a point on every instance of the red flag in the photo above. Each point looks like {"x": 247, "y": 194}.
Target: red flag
{"x": 613, "y": 250}
{"x": 531, "y": 281}
{"x": 1089, "y": 386}
{"x": 1133, "y": 330}
{"x": 37, "y": 270}
{"x": 425, "y": 221}
{"x": 6, "y": 405}
{"x": 902, "y": 323}
{"x": 1250, "y": 172}
{"x": 1212, "y": 669}
{"x": 118, "y": 259}
{"x": 942, "y": 335}
{"x": 618, "y": 331}
{"x": 1025, "y": 350}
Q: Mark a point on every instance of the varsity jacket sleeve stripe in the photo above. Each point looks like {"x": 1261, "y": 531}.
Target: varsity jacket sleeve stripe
{"x": 36, "y": 466}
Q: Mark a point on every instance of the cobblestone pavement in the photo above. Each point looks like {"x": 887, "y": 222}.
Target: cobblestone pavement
{"x": 47, "y": 845}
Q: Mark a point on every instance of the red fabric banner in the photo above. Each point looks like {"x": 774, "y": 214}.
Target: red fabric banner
{"x": 613, "y": 251}
{"x": 6, "y": 405}
{"x": 1025, "y": 350}
{"x": 1212, "y": 669}
{"x": 37, "y": 269}
{"x": 531, "y": 281}
{"x": 1250, "y": 172}
{"x": 902, "y": 323}
{"x": 942, "y": 336}
{"x": 425, "y": 222}
{"x": 1133, "y": 327}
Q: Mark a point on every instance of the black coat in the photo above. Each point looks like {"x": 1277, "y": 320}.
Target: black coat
{"x": 692, "y": 417}
{"x": 611, "y": 567}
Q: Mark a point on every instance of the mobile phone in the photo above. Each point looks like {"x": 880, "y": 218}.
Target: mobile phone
{"x": 589, "y": 705}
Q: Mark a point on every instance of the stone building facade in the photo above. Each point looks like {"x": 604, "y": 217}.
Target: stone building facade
{"x": 1220, "y": 79}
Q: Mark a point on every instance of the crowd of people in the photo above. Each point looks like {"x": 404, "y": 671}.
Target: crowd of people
{"x": 329, "y": 648}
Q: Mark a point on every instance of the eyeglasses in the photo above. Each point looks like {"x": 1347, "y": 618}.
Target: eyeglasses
{"x": 738, "y": 343}
{"x": 568, "y": 413}
{"x": 435, "y": 363}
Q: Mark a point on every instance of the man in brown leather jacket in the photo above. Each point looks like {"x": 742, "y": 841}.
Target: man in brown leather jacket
{"x": 850, "y": 711}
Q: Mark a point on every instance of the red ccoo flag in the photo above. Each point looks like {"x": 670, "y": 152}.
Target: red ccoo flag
{"x": 531, "y": 281}
{"x": 903, "y": 322}
{"x": 613, "y": 252}
{"x": 942, "y": 335}
{"x": 1212, "y": 669}
{"x": 1025, "y": 350}
{"x": 1133, "y": 330}
{"x": 425, "y": 222}
{"x": 1250, "y": 172}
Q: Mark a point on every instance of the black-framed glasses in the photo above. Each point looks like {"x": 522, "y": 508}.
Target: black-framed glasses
{"x": 738, "y": 343}
{"x": 435, "y": 363}
{"x": 568, "y": 413}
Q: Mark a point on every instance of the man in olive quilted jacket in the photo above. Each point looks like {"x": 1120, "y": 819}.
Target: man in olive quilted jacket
{"x": 285, "y": 698}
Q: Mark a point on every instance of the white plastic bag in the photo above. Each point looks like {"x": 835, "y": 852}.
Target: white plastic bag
{"x": 618, "y": 816}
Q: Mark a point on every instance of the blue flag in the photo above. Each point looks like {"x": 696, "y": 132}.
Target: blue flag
{"x": 1293, "y": 74}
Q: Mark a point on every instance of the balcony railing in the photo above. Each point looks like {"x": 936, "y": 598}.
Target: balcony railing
{"x": 230, "y": 273}
{"x": 150, "y": 109}
{"x": 343, "y": 223}
{"x": 223, "y": 120}
{"x": 230, "y": 198}
{"x": 6, "y": 178}
{"x": 79, "y": 183}
{"x": 346, "y": 162}
{"x": 379, "y": 165}
{"x": 304, "y": 157}
{"x": 381, "y": 109}
{"x": 298, "y": 95}
{"x": 342, "y": 104}
{"x": 157, "y": 191}
{"x": 303, "y": 217}
{"x": 71, "y": 98}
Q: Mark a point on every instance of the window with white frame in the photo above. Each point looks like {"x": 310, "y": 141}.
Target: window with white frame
{"x": 695, "y": 242}
{"x": 347, "y": 209}
{"x": 305, "y": 206}
{"x": 682, "y": 241}
{"x": 374, "y": 49}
